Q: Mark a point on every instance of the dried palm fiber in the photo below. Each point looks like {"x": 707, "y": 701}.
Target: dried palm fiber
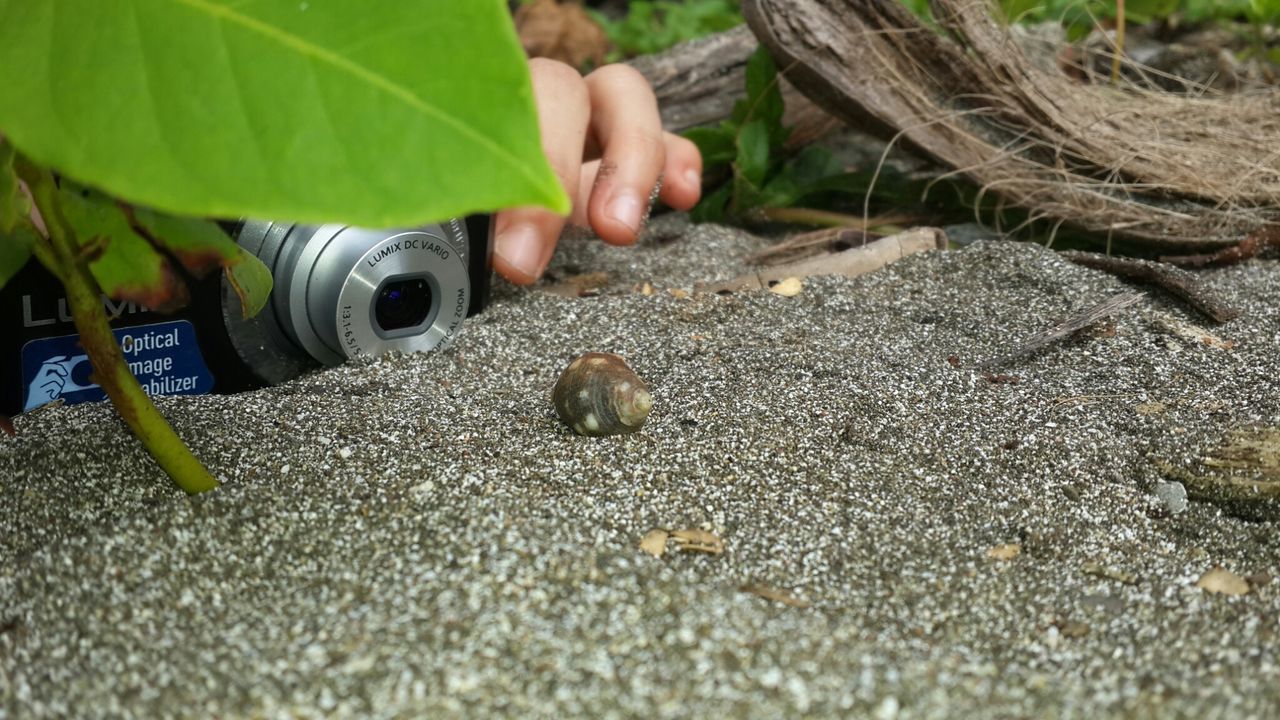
{"x": 1169, "y": 169}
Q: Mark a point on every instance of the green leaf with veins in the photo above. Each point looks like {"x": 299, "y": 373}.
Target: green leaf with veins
{"x": 14, "y": 205}
{"x": 15, "y": 251}
{"x": 251, "y": 280}
{"x": 716, "y": 144}
{"x": 16, "y": 233}
{"x": 753, "y": 152}
{"x": 376, "y": 114}
{"x": 123, "y": 262}
{"x": 764, "y": 95}
{"x": 711, "y": 209}
{"x": 201, "y": 246}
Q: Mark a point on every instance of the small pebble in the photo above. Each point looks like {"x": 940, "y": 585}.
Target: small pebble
{"x": 1173, "y": 495}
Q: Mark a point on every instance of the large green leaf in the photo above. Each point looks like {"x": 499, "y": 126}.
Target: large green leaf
{"x": 16, "y": 236}
{"x": 384, "y": 113}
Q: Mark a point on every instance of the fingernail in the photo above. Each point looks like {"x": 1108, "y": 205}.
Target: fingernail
{"x": 693, "y": 178}
{"x": 520, "y": 247}
{"x": 626, "y": 208}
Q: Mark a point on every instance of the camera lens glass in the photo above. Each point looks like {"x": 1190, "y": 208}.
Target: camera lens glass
{"x": 402, "y": 304}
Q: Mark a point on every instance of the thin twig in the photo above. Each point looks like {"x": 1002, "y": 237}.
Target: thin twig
{"x": 1078, "y": 321}
{"x": 1172, "y": 279}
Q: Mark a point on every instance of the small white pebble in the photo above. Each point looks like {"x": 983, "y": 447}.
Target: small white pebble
{"x": 1173, "y": 495}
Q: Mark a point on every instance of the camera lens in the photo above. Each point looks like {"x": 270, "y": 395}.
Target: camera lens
{"x": 344, "y": 292}
{"x": 402, "y": 304}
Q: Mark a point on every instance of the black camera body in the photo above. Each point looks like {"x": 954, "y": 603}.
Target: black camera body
{"x": 339, "y": 292}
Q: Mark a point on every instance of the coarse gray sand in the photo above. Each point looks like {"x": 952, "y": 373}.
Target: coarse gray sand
{"x": 421, "y": 536}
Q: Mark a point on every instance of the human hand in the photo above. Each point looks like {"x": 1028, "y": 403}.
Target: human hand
{"x": 604, "y": 139}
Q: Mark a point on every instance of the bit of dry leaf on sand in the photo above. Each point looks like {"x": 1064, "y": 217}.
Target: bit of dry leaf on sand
{"x": 772, "y": 593}
{"x": 788, "y": 287}
{"x": 1007, "y": 551}
{"x": 1223, "y": 582}
{"x": 655, "y": 541}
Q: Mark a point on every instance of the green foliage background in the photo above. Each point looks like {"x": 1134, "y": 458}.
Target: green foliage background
{"x": 1079, "y": 16}
{"x": 652, "y": 26}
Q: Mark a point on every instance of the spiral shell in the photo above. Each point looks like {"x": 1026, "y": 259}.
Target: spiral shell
{"x": 599, "y": 395}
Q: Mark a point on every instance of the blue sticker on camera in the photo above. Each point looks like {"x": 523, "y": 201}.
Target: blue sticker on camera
{"x": 165, "y": 357}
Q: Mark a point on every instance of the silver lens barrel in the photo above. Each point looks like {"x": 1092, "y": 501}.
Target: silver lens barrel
{"x": 343, "y": 292}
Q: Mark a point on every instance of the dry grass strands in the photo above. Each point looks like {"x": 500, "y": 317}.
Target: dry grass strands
{"x": 1170, "y": 169}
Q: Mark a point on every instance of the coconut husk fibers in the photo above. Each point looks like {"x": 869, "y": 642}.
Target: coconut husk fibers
{"x": 1193, "y": 168}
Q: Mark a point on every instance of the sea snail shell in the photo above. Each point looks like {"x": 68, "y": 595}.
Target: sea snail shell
{"x": 599, "y": 395}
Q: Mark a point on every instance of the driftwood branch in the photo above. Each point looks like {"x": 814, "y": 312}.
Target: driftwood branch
{"x": 849, "y": 263}
{"x": 1172, "y": 279}
{"x": 698, "y": 82}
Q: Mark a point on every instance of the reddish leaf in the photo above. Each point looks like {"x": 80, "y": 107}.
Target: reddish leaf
{"x": 125, "y": 265}
{"x": 201, "y": 246}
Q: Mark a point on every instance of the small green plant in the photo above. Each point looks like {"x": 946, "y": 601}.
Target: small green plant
{"x": 129, "y": 122}
{"x": 652, "y": 26}
{"x": 761, "y": 180}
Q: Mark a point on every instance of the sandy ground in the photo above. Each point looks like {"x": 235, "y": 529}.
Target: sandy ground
{"x": 423, "y": 536}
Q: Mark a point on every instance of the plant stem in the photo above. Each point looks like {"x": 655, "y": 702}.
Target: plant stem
{"x": 821, "y": 218}
{"x": 110, "y": 371}
{"x": 1119, "y": 52}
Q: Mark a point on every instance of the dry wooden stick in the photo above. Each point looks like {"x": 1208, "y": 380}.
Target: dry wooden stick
{"x": 1172, "y": 279}
{"x": 855, "y": 231}
{"x": 1251, "y": 246}
{"x": 856, "y": 261}
{"x": 1078, "y": 321}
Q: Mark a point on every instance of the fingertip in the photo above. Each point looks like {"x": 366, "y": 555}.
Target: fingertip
{"x": 521, "y": 251}
{"x": 683, "y": 172}
{"x": 615, "y": 233}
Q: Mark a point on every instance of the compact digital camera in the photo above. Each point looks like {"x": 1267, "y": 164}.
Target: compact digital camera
{"x": 339, "y": 292}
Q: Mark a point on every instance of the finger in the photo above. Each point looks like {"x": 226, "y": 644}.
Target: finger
{"x": 682, "y": 176}
{"x": 525, "y": 238}
{"x": 681, "y": 185}
{"x": 586, "y": 185}
{"x": 626, "y": 125}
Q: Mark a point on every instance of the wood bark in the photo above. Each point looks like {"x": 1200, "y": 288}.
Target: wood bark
{"x": 698, "y": 83}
